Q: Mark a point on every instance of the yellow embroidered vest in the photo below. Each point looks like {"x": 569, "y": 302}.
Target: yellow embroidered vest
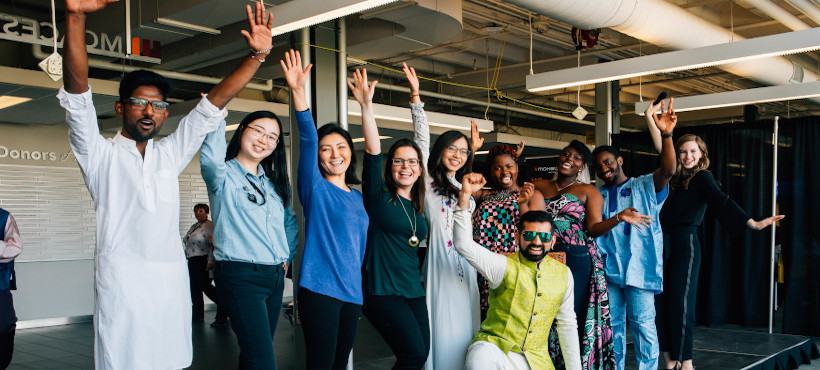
{"x": 523, "y": 307}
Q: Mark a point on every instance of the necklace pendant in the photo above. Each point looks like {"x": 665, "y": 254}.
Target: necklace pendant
{"x": 413, "y": 241}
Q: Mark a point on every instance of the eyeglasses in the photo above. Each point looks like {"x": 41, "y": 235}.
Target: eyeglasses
{"x": 258, "y": 132}
{"x": 159, "y": 106}
{"x": 412, "y": 162}
{"x": 530, "y": 236}
{"x": 453, "y": 149}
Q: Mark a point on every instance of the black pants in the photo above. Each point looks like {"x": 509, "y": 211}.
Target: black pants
{"x": 8, "y": 325}
{"x": 330, "y": 327}
{"x": 580, "y": 265}
{"x": 252, "y": 295}
{"x": 201, "y": 283}
{"x": 675, "y": 307}
{"x": 404, "y": 325}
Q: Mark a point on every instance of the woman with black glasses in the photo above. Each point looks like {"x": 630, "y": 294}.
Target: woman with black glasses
{"x": 255, "y": 235}
{"x": 394, "y": 300}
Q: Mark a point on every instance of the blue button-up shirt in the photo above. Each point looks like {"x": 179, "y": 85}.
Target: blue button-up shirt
{"x": 633, "y": 257}
{"x": 245, "y": 230}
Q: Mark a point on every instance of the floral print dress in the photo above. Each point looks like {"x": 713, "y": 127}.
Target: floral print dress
{"x": 597, "y": 348}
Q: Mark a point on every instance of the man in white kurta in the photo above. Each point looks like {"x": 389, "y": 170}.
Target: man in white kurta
{"x": 142, "y": 312}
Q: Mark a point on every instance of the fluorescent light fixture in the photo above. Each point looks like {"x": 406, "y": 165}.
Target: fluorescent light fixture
{"x": 188, "y": 26}
{"x": 434, "y": 119}
{"x": 361, "y": 139}
{"x": 296, "y": 15}
{"x": 480, "y": 152}
{"x": 8, "y": 101}
{"x": 707, "y": 56}
{"x": 741, "y": 97}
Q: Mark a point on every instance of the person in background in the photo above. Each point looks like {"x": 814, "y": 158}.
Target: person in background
{"x": 198, "y": 248}
{"x": 394, "y": 299}
{"x": 692, "y": 190}
{"x": 633, "y": 253}
{"x": 528, "y": 293}
{"x": 500, "y": 206}
{"x": 142, "y": 312}
{"x": 10, "y": 247}
{"x": 329, "y": 300}
{"x": 449, "y": 281}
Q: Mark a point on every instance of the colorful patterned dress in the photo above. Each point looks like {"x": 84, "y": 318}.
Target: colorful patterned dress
{"x": 494, "y": 228}
{"x": 597, "y": 349}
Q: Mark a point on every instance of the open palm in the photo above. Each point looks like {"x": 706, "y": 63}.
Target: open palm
{"x": 259, "y": 38}
{"x": 362, "y": 91}
{"x": 86, "y": 6}
{"x": 295, "y": 75}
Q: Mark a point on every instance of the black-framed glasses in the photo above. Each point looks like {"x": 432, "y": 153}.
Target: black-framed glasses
{"x": 258, "y": 132}
{"x": 453, "y": 149}
{"x": 529, "y": 236}
{"x": 412, "y": 162}
{"x": 159, "y": 106}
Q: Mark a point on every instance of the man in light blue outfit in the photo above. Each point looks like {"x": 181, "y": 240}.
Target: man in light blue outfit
{"x": 633, "y": 255}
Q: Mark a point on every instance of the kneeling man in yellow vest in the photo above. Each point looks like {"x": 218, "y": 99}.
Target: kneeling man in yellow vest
{"x": 527, "y": 293}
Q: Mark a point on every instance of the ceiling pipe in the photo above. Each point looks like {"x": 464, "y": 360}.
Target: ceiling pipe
{"x": 779, "y": 14}
{"x": 809, "y": 9}
{"x": 104, "y": 64}
{"x": 666, "y": 25}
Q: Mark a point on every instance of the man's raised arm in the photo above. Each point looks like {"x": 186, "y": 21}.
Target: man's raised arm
{"x": 75, "y": 61}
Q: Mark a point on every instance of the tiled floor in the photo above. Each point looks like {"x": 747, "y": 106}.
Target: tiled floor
{"x": 71, "y": 347}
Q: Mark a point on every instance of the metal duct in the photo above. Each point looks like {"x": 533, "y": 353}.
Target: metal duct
{"x": 666, "y": 25}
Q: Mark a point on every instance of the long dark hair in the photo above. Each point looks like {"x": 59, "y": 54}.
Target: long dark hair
{"x": 275, "y": 165}
{"x": 438, "y": 171}
{"x": 332, "y": 128}
{"x": 417, "y": 192}
{"x": 680, "y": 181}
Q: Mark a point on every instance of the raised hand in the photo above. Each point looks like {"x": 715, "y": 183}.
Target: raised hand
{"x": 259, "y": 38}
{"x": 526, "y": 193}
{"x": 295, "y": 75}
{"x": 632, "y": 217}
{"x": 362, "y": 91}
{"x": 668, "y": 119}
{"x": 85, "y": 6}
{"x": 412, "y": 79}
{"x": 519, "y": 149}
{"x": 472, "y": 182}
{"x": 476, "y": 141}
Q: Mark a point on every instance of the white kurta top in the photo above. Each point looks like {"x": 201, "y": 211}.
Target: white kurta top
{"x": 452, "y": 290}
{"x": 142, "y": 313}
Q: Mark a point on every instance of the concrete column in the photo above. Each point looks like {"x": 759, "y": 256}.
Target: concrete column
{"x": 608, "y": 120}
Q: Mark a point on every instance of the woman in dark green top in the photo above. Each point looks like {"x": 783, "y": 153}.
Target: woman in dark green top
{"x": 394, "y": 299}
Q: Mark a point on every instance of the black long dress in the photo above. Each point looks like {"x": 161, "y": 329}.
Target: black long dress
{"x": 680, "y": 218}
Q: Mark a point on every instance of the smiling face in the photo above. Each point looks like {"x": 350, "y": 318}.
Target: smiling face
{"x": 259, "y": 139}
{"x": 689, "y": 155}
{"x": 334, "y": 155}
{"x": 454, "y": 159}
{"x": 570, "y": 162}
{"x": 141, "y": 125}
{"x": 504, "y": 171}
{"x": 536, "y": 249}
{"x": 404, "y": 174}
{"x": 607, "y": 167}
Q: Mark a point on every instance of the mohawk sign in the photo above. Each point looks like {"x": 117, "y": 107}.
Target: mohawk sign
{"x": 31, "y": 31}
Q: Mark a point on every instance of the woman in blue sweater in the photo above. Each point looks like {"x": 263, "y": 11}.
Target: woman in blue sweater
{"x": 330, "y": 281}
{"x": 255, "y": 231}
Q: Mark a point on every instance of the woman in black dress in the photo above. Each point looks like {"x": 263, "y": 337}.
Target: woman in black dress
{"x": 693, "y": 188}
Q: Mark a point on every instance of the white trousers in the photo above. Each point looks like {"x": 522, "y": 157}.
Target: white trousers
{"x": 485, "y": 355}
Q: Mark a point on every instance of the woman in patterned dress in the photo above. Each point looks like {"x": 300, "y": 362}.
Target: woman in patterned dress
{"x": 576, "y": 208}
{"x": 498, "y": 208}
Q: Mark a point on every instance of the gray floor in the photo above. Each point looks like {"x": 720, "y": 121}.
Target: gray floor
{"x": 71, "y": 347}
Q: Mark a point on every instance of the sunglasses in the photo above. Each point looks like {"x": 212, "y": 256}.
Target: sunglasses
{"x": 530, "y": 236}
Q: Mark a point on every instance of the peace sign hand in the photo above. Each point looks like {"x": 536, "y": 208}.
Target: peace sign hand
{"x": 668, "y": 119}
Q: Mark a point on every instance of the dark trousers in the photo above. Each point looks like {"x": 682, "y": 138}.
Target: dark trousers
{"x": 404, "y": 325}
{"x": 330, "y": 327}
{"x": 201, "y": 283}
{"x": 8, "y": 325}
{"x": 676, "y": 305}
{"x": 580, "y": 265}
{"x": 252, "y": 296}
